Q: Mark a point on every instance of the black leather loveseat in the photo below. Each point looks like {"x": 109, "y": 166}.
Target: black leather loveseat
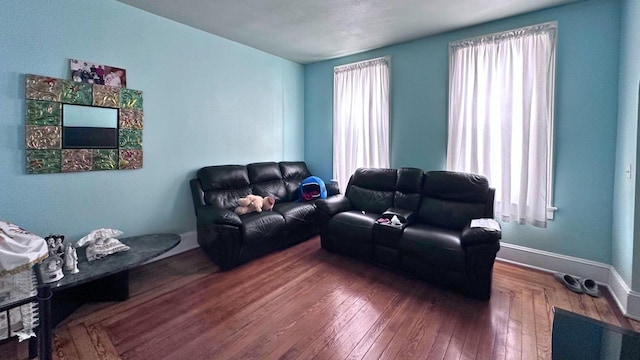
{"x": 435, "y": 242}
{"x": 230, "y": 239}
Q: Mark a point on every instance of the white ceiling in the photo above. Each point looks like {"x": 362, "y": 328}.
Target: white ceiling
{"x": 307, "y": 31}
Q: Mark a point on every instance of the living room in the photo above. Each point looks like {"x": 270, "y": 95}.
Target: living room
{"x": 203, "y": 94}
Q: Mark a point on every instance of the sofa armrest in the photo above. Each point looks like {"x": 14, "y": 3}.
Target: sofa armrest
{"x": 197, "y": 195}
{"x": 333, "y": 205}
{"x": 332, "y": 188}
{"x": 405, "y": 216}
{"x": 479, "y": 236}
{"x": 212, "y": 215}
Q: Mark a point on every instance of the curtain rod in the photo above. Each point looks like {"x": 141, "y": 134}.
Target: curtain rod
{"x": 361, "y": 64}
{"x": 551, "y": 26}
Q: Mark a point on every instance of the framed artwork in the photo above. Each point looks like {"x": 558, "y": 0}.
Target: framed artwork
{"x": 88, "y": 72}
{"x": 75, "y": 126}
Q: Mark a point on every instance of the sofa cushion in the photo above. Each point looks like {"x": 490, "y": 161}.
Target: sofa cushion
{"x": 408, "y": 188}
{"x": 261, "y": 226}
{"x": 296, "y": 213}
{"x": 451, "y": 215}
{"x": 353, "y": 226}
{"x": 451, "y": 200}
{"x": 456, "y": 186}
{"x": 223, "y": 185}
{"x": 437, "y": 246}
{"x": 293, "y": 172}
{"x": 370, "y": 200}
{"x": 375, "y": 179}
{"x": 372, "y": 190}
{"x": 223, "y": 177}
{"x": 266, "y": 180}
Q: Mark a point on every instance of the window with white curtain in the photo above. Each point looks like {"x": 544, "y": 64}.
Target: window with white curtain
{"x": 360, "y": 117}
{"x": 501, "y": 105}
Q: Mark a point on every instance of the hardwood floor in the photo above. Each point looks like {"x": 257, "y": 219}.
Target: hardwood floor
{"x": 304, "y": 303}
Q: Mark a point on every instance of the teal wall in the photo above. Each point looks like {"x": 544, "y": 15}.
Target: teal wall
{"x": 586, "y": 114}
{"x": 626, "y": 214}
{"x": 207, "y": 101}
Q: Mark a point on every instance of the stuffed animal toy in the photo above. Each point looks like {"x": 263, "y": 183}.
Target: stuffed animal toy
{"x": 252, "y": 203}
{"x": 312, "y": 188}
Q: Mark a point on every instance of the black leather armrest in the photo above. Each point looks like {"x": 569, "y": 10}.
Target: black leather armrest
{"x": 479, "y": 236}
{"x": 213, "y": 215}
{"x": 405, "y": 216}
{"x": 333, "y": 205}
{"x": 197, "y": 195}
{"x": 332, "y": 188}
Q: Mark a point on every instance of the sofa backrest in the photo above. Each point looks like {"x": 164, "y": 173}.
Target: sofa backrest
{"x": 452, "y": 199}
{"x": 376, "y": 190}
{"x": 266, "y": 180}
{"x": 372, "y": 190}
{"x": 408, "y": 188}
{"x": 293, "y": 172}
{"x": 223, "y": 185}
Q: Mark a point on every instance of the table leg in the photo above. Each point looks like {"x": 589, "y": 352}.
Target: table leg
{"x": 45, "y": 330}
{"x": 33, "y": 347}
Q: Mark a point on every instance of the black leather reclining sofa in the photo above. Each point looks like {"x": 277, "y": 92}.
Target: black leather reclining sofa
{"x": 229, "y": 239}
{"x": 435, "y": 242}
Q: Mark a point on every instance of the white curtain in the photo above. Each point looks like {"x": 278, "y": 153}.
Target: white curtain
{"x": 360, "y": 118}
{"x": 501, "y": 91}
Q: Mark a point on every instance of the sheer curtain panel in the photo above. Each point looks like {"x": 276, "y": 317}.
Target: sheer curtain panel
{"x": 501, "y": 91}
{"x": 360, "y": 118}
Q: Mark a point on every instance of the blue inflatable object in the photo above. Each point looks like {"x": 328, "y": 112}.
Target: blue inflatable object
{"x": 312, "y": 188}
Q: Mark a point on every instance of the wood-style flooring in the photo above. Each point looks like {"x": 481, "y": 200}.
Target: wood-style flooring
{"x": 304, "y": 303}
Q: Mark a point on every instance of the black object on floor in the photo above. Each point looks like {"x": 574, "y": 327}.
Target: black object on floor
{"x": 574, "y": 336}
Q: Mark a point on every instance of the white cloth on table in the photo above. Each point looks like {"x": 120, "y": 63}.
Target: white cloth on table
{"x": 102, "y": 242}
{"x": 103, "y": 247}
{"x": 19, "y": 249}
{"x": 98, "y": 234}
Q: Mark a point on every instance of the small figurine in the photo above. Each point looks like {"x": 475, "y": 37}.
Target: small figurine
{"x": 71, "y": 259}
{"x": 51, "y": 244}
{"x": 74, "y": 256}
{"x": 51, "y": 269}
{"x": 60, "y": 245}
{"x": 55, "y": 243}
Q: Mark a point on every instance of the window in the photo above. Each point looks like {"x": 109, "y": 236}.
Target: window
{"x": 501, "y": 104}
{"x": 360, "y": 117}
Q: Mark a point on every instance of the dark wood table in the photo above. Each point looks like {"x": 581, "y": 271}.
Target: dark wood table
{"x": 105, "y": 279}
{"x": 578, "y": 337}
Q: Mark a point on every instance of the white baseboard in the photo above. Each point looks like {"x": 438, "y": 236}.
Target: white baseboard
{"x": 627, "y": 299}
{"x": 552, "y": 262}
{"x": 604, "y": 274}
{"x": 633, "y": 305}
{"x": 188, "y": 241}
